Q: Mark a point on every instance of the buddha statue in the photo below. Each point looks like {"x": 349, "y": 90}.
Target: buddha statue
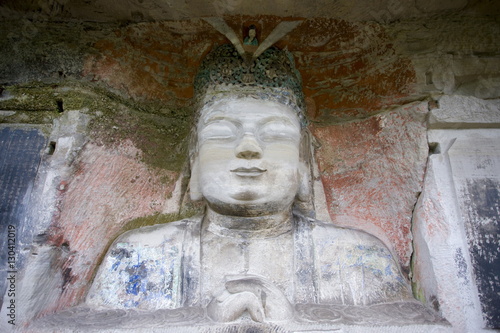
{"x": 257, "y": 254}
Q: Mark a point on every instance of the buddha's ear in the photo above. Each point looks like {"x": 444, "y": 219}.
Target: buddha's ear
{"x": 304, "y": 190}
{"x": 194, "y": 182}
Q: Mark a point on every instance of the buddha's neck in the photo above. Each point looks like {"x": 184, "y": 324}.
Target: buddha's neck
{"x": 247, "y": 227}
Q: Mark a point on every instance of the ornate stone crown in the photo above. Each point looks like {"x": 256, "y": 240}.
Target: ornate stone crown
{"x": 272, "y": 76}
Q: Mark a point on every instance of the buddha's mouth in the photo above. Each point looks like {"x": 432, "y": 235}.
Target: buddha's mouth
{"x": 248, "y": 172}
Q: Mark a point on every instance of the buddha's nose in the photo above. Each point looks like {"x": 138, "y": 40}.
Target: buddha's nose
{"x": 248, "y": 148}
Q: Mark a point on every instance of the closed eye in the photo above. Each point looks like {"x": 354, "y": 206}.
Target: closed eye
{"x": 218, "y": 130}
{"x": 277, "y": 131}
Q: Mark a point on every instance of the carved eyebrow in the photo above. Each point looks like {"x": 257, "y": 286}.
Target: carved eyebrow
{"x": 277, "y": 118}
{"x": 217, "y": 117}
{"x": 221, "y": 116}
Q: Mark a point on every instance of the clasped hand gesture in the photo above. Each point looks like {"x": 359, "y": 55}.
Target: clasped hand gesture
{"x": 262, "y": 299}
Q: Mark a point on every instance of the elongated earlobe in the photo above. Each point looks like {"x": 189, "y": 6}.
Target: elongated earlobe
{"x": 304, "y": 190}
{"x": 194, "y": 182}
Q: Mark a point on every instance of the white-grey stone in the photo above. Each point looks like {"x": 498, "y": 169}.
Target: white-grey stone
{"x": 67, "y": 134}
{"x": 465, "y": 112}
{"x": 446, "y": 270}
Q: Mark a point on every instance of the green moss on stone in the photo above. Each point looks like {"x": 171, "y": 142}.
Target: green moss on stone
{"x": 417, "y": 291}
{"x": 160, "y": 132}
{"x": 157, "y": 219}
{"x": 29, "y": 117}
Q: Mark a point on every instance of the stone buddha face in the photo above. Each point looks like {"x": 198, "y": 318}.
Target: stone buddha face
{"x": 248, "y": 157}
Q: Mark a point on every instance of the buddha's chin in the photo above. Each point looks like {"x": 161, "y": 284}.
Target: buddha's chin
{"x": 246, "y": 196}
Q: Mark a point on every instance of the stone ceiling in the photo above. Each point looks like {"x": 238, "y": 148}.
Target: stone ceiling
{"x": 159, "y": 10}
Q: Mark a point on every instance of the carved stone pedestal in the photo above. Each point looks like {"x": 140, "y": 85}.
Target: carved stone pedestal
{"x": 389, "y": 317}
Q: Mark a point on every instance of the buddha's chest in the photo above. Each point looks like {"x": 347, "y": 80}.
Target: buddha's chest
{"x": 223, "y": 258}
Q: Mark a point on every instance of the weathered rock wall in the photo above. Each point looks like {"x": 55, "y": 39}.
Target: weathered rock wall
{"x": 105, "y": 165}
{"x": 456, "y": 223}
{"x": 372, "y": 173}
{"x": 117, "y": 102}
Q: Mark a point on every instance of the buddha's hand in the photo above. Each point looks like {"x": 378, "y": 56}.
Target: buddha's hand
{"x": 263, "y": 300}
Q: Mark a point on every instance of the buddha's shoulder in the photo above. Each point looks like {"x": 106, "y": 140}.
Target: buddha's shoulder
{"x": 374, "y": 274}
{"x": 352, "y": 246}
{"x": 156, "y": 235}
{"x": 328, "y": 231}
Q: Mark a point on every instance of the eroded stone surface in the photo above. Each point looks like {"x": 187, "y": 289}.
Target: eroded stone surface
{"x": 372, "y": 171}
{"x": 99, "y": 199}
{"x": 385, "y": 317}
{"x": 350, "y": 69}
{"x": 149, "y": 10}
{"x": 452, "y": 252}
{"x": 465, "y": 112}
{"x": 81, "y": 186}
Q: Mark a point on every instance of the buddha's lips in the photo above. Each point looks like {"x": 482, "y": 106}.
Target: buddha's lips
{"x": 249, "y": 172}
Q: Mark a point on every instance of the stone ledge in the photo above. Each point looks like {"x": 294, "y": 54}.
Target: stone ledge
{"x": 457, "y": 112}
{"x": 388, "y": 317}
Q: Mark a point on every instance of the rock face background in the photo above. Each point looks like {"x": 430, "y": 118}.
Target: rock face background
{"x": 115, "y": 103}
{"x": 372, "y": 173}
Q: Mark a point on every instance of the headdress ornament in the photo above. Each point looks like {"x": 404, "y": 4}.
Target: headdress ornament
{"x": 271, "y": 76}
